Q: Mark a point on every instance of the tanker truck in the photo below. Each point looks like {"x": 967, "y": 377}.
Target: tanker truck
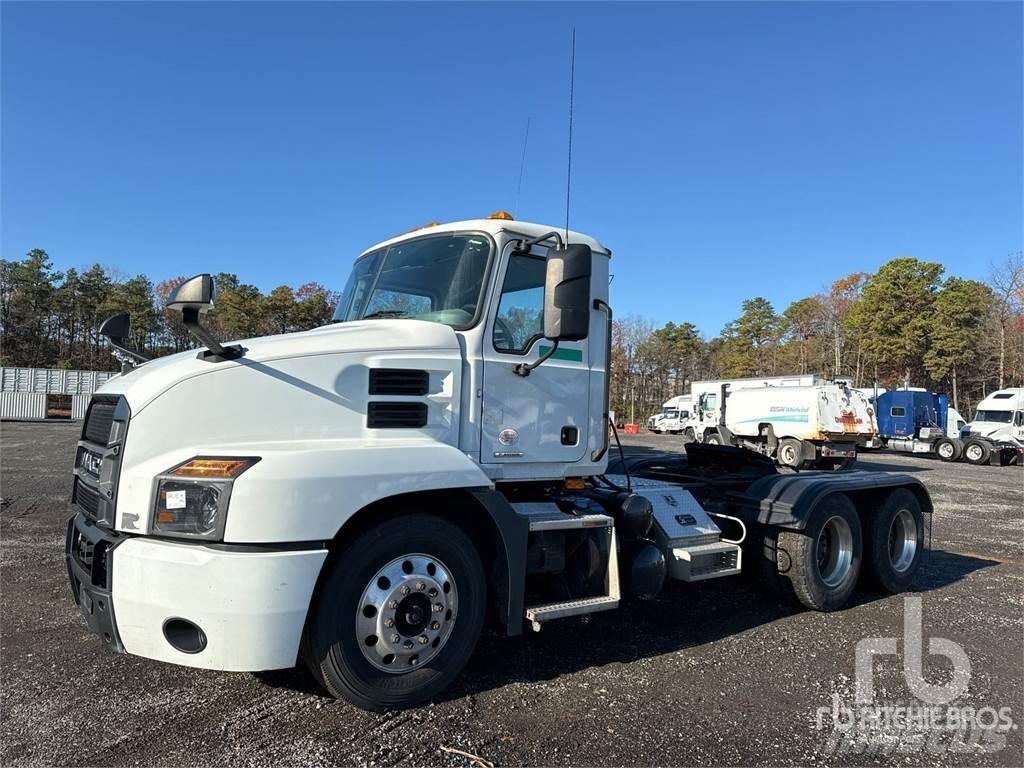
{"x": 801, "y": 426}
{"x": 363, "y": 497}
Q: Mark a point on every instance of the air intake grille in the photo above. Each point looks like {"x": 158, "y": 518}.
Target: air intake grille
{"x": 396, "y": 415}
{"x": 98, "y": 421}
{"x": 87, "y": 499}
{"x": 398, "y": 381}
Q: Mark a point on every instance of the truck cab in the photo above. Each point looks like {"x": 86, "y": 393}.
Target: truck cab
{"x": 362, "y": 496}
{"x": 1000, "y": 416}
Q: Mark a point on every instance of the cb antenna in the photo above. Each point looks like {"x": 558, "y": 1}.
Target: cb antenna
{"x": 568, "y": 175}
{"x": 522, "y": 166}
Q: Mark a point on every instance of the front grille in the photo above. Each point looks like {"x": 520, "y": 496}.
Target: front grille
{"x": 98, "y": 421}
{"x": 396, "y": 415}
{"x": 87, "y": 499}
{"x": 398, "y": 381}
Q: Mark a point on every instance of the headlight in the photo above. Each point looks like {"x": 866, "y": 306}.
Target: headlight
{"x": 192, "y": 498}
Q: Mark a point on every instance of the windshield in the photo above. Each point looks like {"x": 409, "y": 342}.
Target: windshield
{"x": 670, "y": 413}
{"x": 437, "y": 278}
{"x": 1002, "y": 417}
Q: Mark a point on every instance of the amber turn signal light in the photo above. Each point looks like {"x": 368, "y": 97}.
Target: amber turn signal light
{"x": 217, "y": 468}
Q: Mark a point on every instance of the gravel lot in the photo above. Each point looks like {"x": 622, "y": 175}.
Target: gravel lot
{"x": 709, "y": 674}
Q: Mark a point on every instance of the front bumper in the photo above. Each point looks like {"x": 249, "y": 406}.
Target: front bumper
{"x": 88, "y": 551}
{"x": 249, "y": 602}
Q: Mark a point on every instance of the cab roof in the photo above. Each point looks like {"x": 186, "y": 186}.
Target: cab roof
{"x": 493, "y": 227}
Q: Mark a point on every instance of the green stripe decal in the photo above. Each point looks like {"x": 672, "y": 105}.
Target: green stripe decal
{"x": 562, "y": 353}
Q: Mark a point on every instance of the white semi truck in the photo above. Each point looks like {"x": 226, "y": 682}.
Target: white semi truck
{"x": 672, "y": 418}
{"x": 801, "y": 425}
{"x": 996, "y": 433}
{"x": 363, "y": 497}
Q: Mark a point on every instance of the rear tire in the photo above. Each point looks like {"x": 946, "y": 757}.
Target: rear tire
{"x": 712, "y": 438}
{"x": 689, "y": 436}
{"x": 895, "y": 541}
{"x": 949, "y": 449}
{"x": 365, "y": 645}
{"x": 818, "y": 567}
{"x": 977, "y": 452}
{"x": 790, "y": 453}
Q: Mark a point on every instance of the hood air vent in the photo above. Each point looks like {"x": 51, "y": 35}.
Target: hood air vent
{"x": 398, "y": 381}
{"x": 396, "y": 415}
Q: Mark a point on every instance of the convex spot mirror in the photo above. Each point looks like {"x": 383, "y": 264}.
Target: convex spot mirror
{"x": 116, "y": 327}
{"x": 567, "y": 293}
{"x": 195, "y": 293}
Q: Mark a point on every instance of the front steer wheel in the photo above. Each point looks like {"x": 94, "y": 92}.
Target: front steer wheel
{"x": 818, "y": 566}
{"x": 399, "y": 614}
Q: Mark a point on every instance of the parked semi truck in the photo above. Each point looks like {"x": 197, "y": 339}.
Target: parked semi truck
{"x": 800, "y": 426}
{"x": 674, "y": 414}
{"x": 364, "y": 496}
{"x": 996, "y": 433}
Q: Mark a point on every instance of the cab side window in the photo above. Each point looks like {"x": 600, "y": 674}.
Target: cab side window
{"x": 520, "y": 318}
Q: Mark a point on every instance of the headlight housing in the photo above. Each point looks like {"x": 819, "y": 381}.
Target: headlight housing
{"x": 192, "y": 497}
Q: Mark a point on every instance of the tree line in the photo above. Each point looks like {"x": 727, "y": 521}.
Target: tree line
{"x": 51, "y": 319}
{"x": 906, "y": 323}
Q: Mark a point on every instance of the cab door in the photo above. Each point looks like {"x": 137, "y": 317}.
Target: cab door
{"x": 541, "y": 418}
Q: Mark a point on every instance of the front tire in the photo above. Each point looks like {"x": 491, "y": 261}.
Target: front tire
{"x": 895, "y": 541}
{"x": 818, "y": 566}
{"x": 377, "y": 637}
{"x": 948, "y": 449}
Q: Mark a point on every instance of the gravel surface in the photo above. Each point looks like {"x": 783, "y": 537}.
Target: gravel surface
{"x": 709, "y": 674}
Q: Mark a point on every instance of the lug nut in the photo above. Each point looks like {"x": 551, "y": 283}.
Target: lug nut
{"x": 432, "y": 591}
{"x": 408, "y": 644}
{"x": 405, "y": 589}
{"x": 395, "y": 638}
{"x": 420, "y": 586}
{"x": 423, "y": 640}
{"x": 438, "y": 608}
{"x": 435, "y": 625}
{"x": 393, "y": 605}
{"x": 389, "y": 623}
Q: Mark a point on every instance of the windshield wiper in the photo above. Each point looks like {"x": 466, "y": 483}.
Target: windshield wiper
{"x": 385, "y": 313}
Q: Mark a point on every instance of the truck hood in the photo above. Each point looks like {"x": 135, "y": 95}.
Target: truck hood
{"x": 141, "y": 385}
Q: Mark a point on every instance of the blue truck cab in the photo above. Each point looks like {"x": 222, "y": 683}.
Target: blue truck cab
{"x": 912, "y": 414}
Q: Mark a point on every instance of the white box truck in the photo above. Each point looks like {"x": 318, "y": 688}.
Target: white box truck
{"x": 362, "y": 497}
{"x": 674, "y": 414}
{"x": 799, "y": 425}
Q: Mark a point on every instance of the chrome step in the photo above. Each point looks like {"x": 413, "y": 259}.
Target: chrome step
{"x": 705, "y": 561}
{"x": 541, "y": 613}
{"x": 546, "y": 516}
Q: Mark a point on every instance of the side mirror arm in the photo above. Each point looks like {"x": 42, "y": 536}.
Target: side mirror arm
{"x": 523, "y": 369}
{"x": 190, "y": 319}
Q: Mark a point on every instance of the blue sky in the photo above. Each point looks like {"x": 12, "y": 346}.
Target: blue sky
{"x": 721, "y": 150}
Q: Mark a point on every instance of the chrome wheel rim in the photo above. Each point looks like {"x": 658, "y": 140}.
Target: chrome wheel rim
{"x": 834, "y": 551}
{"x": 973, "y": 452}
{"x": 787, "y": 455}
{"x": 902, "y": 541}
{"x": 406, "y": 613}
{"x": 946, "y": 450}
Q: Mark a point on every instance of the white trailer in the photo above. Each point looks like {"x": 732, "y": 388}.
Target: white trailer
{"x": 361, "y": 497}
